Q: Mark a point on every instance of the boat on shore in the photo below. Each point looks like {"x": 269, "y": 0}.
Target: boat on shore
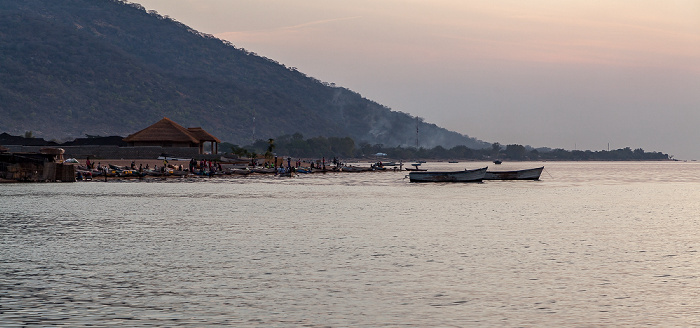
{"x": 386, "y": 164}
{"x": 238, "y": 171}
{"x": 528, "y": 174}
{"x": 263, "y": 170}
{"x": 350, "y": 168}
{"x": 476, "y": 175}
{"x": 166, "y": 157}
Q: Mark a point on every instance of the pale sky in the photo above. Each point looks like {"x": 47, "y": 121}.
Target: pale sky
{"x": 562, "y": 74}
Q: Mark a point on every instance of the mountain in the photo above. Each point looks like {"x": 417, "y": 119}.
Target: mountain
{"x": 108, "y": 67}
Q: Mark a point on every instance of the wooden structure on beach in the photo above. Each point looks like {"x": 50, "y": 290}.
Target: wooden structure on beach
{"x": 166, "y": 133}
{"x": 46, "y": 166}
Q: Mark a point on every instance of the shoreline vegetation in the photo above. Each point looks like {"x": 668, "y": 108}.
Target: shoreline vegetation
{"x": 296, "y": 146}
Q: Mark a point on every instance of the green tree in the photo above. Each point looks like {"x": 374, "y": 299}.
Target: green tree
{"x": 342, "y": 146}
{"x": 269, "y": 155}
{"x": 495, "y": 149}
{"x": 516, "y": 152}
{"x": 271, "y": 145}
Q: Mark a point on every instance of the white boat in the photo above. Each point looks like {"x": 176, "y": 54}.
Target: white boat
{"x": 475, "y": 175}
{"x": 528, "y": 174}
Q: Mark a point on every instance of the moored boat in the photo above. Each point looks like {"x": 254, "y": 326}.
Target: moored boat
{"x": 528, "y": 174}
{"x": 475, "y": 175}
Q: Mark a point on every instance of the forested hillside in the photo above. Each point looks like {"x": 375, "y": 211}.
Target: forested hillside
{"x": 106, "y": 67}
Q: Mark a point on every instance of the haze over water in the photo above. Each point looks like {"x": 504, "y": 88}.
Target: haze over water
{"x": 591, "y": 244}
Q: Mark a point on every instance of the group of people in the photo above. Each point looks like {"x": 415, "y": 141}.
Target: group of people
{"x": 318, "y": 164}
{"x": 203, "y": 167}
{"x": 207, "y": 167}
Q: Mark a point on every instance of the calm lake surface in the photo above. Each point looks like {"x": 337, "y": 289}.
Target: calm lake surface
{"x": 591, "y": 244}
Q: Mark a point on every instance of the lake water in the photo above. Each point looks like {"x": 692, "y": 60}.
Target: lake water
{"x": 591, "y": 244}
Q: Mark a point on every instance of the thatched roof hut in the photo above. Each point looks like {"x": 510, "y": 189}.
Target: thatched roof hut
{"x": 166, "y": 133}
{"x": 202, "y": 135}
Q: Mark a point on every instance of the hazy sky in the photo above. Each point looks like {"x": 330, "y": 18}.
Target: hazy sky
{"x": 561, "y": 74}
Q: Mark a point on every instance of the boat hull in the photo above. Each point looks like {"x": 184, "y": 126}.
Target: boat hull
{"x": 454, "y": 176}
{"x": 529, "y": 174}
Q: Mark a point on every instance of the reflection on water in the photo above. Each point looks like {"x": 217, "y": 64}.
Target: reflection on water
{"x": 592, "y": 244}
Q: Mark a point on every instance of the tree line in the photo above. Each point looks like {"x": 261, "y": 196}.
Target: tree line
{"x": 297, "y": 147}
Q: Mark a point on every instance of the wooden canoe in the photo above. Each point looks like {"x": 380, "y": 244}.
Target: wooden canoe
{"x": 528, "y": 174}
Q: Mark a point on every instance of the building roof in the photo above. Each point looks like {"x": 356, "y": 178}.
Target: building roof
{"x": 202, "y": 135}
{"x": 166, "y": 130}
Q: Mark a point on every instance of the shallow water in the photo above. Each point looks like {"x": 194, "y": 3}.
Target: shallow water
{"x": 591, "y": 244}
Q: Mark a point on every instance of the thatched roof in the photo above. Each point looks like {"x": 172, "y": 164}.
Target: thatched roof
{"x": 166, "y": 130}
{"x": 202, "y": 135}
